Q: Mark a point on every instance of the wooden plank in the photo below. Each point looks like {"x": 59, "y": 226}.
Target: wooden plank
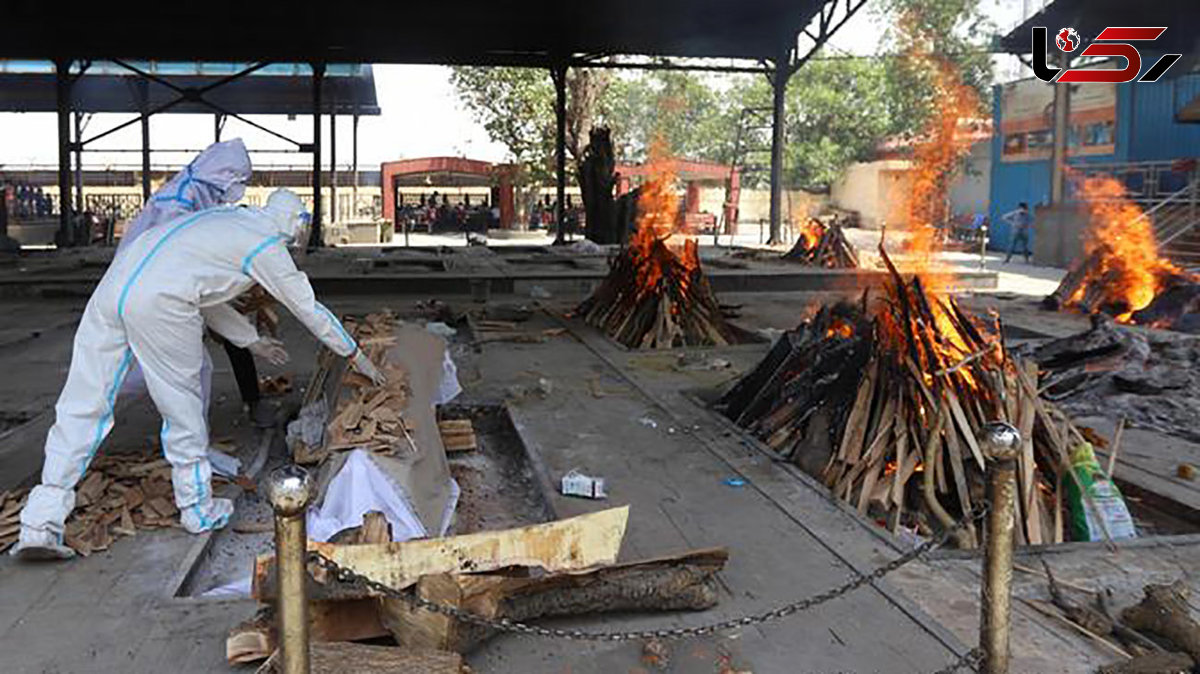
{"x": 856, "y": 426}
{"x": 960, "y": 418}
{"x": 572, "y": 544}
{"x": 954, "y": 449}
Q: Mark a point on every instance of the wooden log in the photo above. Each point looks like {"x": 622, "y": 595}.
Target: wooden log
{"x": 564, "y": 545}
{"x": 1151, "y": 663}
{"x": 1164, "y": 611}
{"x": 685, "y": 582}
{"x": 856, "y": 422}
{"x": 350, "y": 620}
{"x": 342, "y": 658}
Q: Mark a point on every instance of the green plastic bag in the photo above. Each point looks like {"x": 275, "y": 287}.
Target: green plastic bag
{"x": 1110, "y": 505}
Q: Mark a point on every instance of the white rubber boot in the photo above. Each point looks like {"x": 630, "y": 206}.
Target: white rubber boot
{"x": 40, "y": 545}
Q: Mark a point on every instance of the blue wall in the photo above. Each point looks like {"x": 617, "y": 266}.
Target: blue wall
{"x": 1146, "y": 130}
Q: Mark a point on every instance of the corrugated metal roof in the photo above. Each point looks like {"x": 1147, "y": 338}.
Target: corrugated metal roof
{"x": 278, "y": 88}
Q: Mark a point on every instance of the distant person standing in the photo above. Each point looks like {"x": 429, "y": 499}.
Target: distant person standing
{"x": 1021, "y": 220}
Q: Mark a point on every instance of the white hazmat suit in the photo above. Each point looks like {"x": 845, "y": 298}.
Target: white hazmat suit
{"x": 217, "y": 176}
{"x": 148, "y": 306}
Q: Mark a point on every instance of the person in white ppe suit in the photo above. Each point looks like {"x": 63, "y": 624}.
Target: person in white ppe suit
{"x": 152, "y": 304}
{"x": 217, "y": 176}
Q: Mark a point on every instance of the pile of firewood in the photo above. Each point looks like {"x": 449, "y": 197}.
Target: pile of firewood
{"x": 658, "y": 299}
{"x": 869, "y": 396}
{"x": 371, "y": 418}
{"x": 822, "y": 245}
{"x": 562, "y": 568}
{"x": 120, "y": 494}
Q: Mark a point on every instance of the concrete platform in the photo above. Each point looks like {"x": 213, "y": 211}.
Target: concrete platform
{"x": 631, "y": 417}
{"x": 499, "y": 271}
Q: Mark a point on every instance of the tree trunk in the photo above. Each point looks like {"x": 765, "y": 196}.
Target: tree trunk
{"x": 596, "y": 182}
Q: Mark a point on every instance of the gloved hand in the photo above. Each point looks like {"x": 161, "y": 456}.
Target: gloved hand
{"x": 270, "y": 350}
{"x": 366, "y": 368}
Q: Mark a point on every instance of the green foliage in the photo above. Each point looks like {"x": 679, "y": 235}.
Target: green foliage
{"x": 685, "y": 110}
{"x": 837, "y": 110}
{"x": 957, "y": 30}
{"x": 516, "y": 108}
{"x": 837, "y": 113}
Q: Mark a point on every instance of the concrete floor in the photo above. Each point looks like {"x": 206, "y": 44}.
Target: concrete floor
{"x": 632, "y": 418}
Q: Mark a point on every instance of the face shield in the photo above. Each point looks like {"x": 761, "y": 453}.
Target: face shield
{"x": 234, "y": 193}
{"x": 298, "y": 246}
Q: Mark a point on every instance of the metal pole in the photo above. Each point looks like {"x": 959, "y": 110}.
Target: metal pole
{"x": 333, "y": 178}
{"x": 79, "y": 161}
{"x": 354, "y": 165}
{"x": 1002, "y": 445}
{"x": 559, "y": 74}
{"x": 290, "y": 490}
{"x": 62, "y": 80}
{"x": 316, "y": 238}
{"x": 779, "y": 86}
{"x": 144, "y": 102}
{"x": 1062, "y": 111}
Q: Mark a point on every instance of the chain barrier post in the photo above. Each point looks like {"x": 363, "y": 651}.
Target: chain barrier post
{"x": 290, "y": 490}
{"x": 1002, "y": 444}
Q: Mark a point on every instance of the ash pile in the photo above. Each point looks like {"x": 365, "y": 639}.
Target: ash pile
{"x": 1150, "y": 377}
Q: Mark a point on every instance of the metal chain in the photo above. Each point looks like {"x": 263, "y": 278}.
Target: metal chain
{"x": 350, "y": 577}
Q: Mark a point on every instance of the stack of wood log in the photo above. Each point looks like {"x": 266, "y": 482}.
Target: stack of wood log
{"x": 658, "y": 298}
{"x": 120, "y": 494}
{"x": 371, "y": 418}
{"x": 458, "y": 435}
{"x": 822, "y": 245}
{"x": 561, "y": 568}
{"x": 882, "y": 400}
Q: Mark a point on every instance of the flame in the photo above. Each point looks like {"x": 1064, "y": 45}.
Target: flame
{"x": 1121, "y": 241}
{"x": 840, "y": 328}
{"x": 954, "y": 109}
{"x": 661, "y": 239}
{"x": 938, "y": 152}
{"x": 811, "y": 232}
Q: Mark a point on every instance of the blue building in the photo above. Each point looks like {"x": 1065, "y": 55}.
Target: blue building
{"x": 1143, "y": 133}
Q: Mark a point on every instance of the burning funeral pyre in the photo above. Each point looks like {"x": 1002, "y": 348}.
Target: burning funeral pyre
{"x": 882, "y": 400}
{"x": 655, "y": 295}
{"x": 1121, "y": 272}
{"x": 822, "y": 245}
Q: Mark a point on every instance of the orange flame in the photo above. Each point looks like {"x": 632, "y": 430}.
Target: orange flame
{"x": 1121, "y": 242}
{"x": 937, "y": 154}
{"x": 840, "y": 328}
{"x": 811, "y": 232}
{"x": 661, "y": 238}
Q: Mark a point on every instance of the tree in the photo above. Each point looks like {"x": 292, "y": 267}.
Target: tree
{"x": 955, "y": 31}
{"x": 685, "y": 110}
{"x": 837, "y": 113}
{"x": 516, "y": 108}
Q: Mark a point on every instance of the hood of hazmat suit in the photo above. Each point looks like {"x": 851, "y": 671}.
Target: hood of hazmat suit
{"x": 289, "y": 215}
{"x": 218, "y": 175}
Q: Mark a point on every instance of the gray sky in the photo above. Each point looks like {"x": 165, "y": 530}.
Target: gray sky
{"x": 421, "y": 116}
